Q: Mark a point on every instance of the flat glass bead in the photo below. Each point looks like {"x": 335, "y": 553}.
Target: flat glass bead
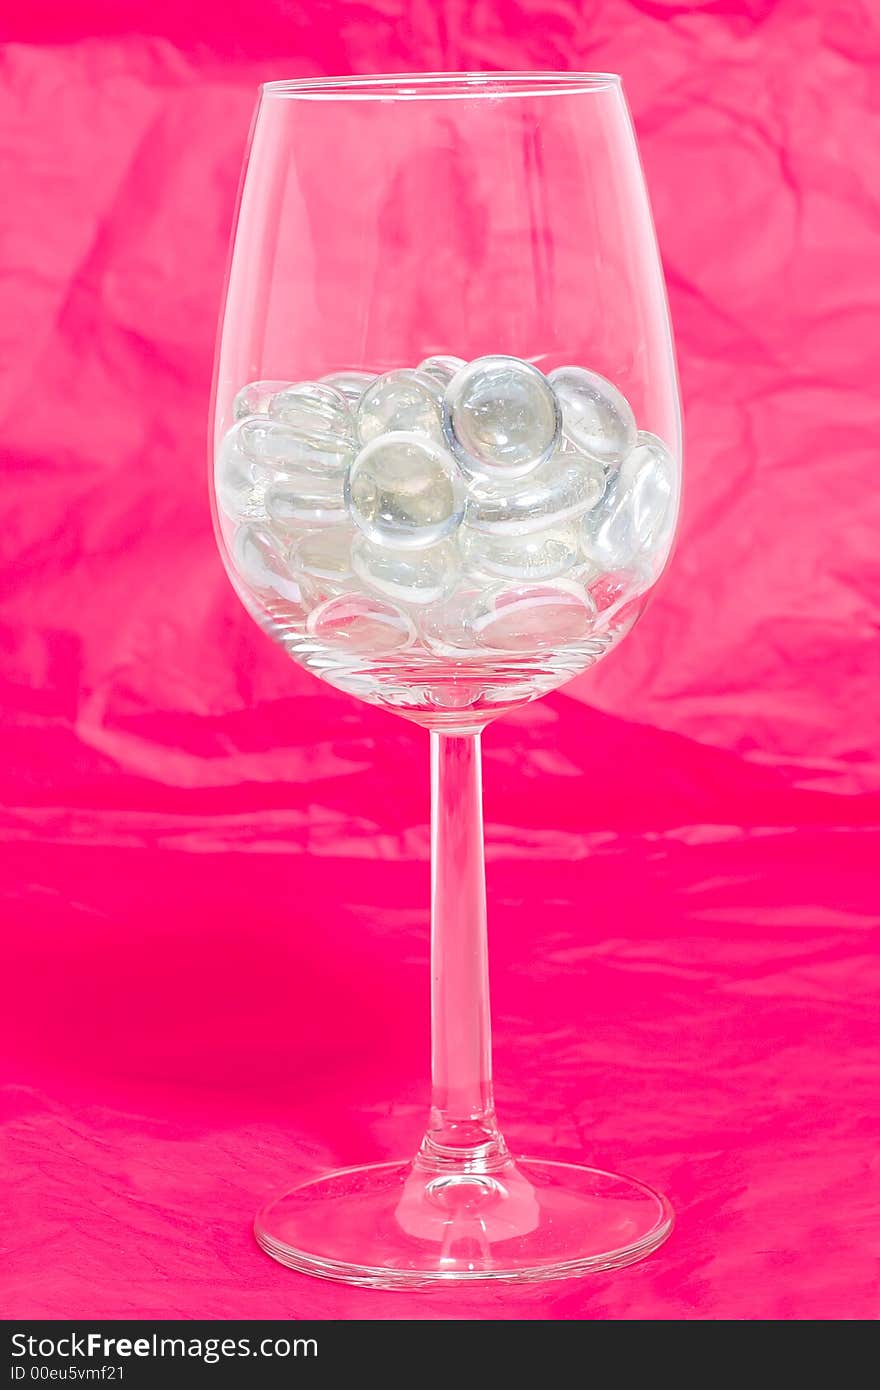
{"x": 441, "y": 369}
{"x": 595, "y": 415}
{"x": 404, "y": 491}
{"x": 400, "y": 401}
{"x": 324, "y": 555}
{"x": 447, "y": 627}
{"x": 260, "y": 561}
{"x": 304, "y": 498}
{"x": 538, "y": 555}
{"x": 362, "y": 623}
{"x": 533, "y": 617}
{"x": 313, "y": 405}
{"x": 501, "y": 416}
{"x": 649, "y": 471}
{"x": 283, "y": 448}
{"x": 635, "y": 516}
{"x": 239, "y": 486}
{"x": 255, "y": 398}
{"x": 554, "y": 493}
{"x": 352, "y": 384}
{"x": 408, "y": 576}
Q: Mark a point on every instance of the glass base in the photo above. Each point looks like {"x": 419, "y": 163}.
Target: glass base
{"x": 402, "y": 1226}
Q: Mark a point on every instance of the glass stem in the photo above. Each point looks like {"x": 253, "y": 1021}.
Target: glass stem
{"x": 463, "y": 1133}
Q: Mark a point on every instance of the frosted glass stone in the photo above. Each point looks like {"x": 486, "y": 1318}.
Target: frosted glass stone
{"x": 635, "y": 516}
{"x": 324, "y": 556}
{"x": 405, "y": 492}
{"x": 305, "y": 498}
{"x": 554, "y": 493}
{"x": 361, "y": 623}
{"x": 312, "y": 405}
{"x": 501, "y": 416}
{"x": 441, "y": 369}
{"x": 255, "y": 398}
{"x": 408, "y": 576}
{"x": 538, "y": 555}
{"x": 259, "y": 560}
{"x": 284, "y": 449}
{"x": 533, "y": 617}
{"x": 239, "y": 487}
{"x": 400, "y": 401}
{"x": 595, "y": 415}
{"x": 352, "y": 384}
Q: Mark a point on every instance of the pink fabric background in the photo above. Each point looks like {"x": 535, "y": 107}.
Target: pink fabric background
{"x": 215, "y": 879}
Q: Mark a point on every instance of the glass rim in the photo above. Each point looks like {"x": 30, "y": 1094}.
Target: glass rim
{"x": 440, "y": 86}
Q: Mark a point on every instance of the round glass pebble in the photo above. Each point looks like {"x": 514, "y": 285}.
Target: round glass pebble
{"x": 596, "y": 417}
{"x": 408, "y": 576}
{"x": 538, "y": 555}
{"x": 255, "y": 398}
{"x": 283, "y": 448}
{"x": 324, "y": 556}
{"x": 361, "y": 622}
{"x": 441, "y": 369}
{"x": 400, "y": 401}
{"x": 533, "y": 617}
{"x": 351, "y": 384}
{"x": 650, "y": 472}
{"x": 631, "y": 520}
{"x": 313, "y": 405}
{"x": 501, "y": 416}
{"x": 558, "y": 491}
{"x": 260, "y": 561}
{"x": 404, "y": 491}
{"x": 240, "y": 489}
{"x": 303, "y": 498}
{"x": 447, "y": 627}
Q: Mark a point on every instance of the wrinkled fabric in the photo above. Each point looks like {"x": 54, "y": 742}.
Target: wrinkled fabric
{"x": 215, "y": 869}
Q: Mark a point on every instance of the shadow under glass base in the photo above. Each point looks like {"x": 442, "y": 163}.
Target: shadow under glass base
{"x": 400, "y": 1226}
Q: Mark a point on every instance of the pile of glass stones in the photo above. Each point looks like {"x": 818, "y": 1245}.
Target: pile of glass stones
{"x": 455, "y": 507}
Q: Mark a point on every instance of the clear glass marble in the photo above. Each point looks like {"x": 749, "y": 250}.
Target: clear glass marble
{"x": 554, "y": 493}
{"x": 404, "y": 491}
{"x": 239, "y": 484}
{"x": 255, "y": 398}
{"x": 596, "y": 416}
{"x": 446, "y": 628}
{"x": 441, "y": 369}
{"x": 313, "y": 406}
{"x": 448, "y": 540}
{"x": 261, "y": 562}
{"x": 361, "y": 623}
{"x": 410, "y": 576}
{"x": 351, "y": 384}
{"x": 321, "y": 560}
{"x": 305, "y": 497}
{"x": 283, "y": 448}
{"x": 400, "y": 401}
{"x": 536, "y": 555}
{"x": 501, "y": 416}
{"x": 634, "y": 515}
{"x": 531, "y": 616}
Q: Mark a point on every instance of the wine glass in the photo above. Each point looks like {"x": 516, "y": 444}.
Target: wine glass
{"x": 446, "y": 477}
